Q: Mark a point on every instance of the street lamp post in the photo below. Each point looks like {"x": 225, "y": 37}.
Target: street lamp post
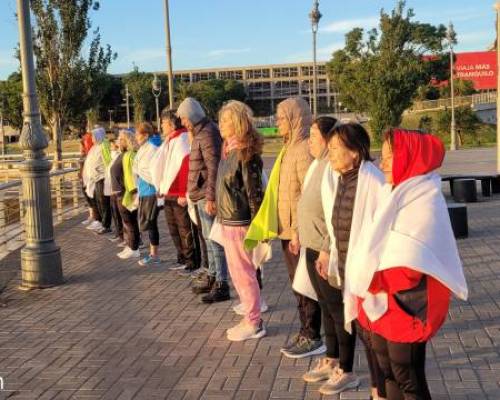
{"x": 315, "y": 16}
{"x": 41, "y": 264}
{"x": 156, "y": 89}
{"x": 450, "y": 34}
{"x": 497, "y": 9}
{"x": 111, "y": 118}
{"x": 169, "y": 59}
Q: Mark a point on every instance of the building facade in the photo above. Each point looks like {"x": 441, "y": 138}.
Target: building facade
{"x": 267, "y": 85}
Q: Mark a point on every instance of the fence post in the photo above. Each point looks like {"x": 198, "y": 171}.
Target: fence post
{"x": 75, "y": 186}
{"x": 3, "y": 221}
{"x": 59, "y": 202}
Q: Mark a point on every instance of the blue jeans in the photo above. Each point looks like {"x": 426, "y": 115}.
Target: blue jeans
{"x": 217, "y": 265}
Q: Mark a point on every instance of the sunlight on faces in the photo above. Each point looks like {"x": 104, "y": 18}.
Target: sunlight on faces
{"x": 226, "y": 125}
{"x": 317, "y": 144}
{"x": 282, "y": 124}
{"x": 386, "y": 161}
{"x": 341, "y": 158}
{"x": 167, "y": 127}
{"x": 141, "y": 138}
{"x": 122, "y": 142}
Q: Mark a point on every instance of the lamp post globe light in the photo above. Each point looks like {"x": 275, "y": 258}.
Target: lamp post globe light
{"x": 156, "y": 89}
{"x": 450, "y": 35}
{"x": 41, "y": 264}
{"x": 497, "y": 10}
{"x": 315, "y": 16}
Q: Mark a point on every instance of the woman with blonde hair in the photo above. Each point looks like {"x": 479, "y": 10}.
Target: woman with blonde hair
{"x": 238, "y": 198}
{"x": 124, "y": 188}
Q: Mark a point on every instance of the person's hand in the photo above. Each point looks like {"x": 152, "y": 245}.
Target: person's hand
{"x": 182, "y": 201}
{"x": 294, "y": 245}
{"x": 322, "y": 264}
{"x": 210, "y": 208}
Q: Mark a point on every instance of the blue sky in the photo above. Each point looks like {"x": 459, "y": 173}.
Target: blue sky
{"x": 213, "y": 33}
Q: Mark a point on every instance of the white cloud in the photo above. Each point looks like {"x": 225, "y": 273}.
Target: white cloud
{"x": 225, "y": 52}
{"x": 346, "y": 25}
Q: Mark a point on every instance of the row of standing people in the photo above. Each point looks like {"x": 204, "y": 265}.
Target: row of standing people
{"x": 359, "y": 262}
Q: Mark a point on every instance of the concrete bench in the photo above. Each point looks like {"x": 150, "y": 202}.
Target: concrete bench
{"x": 459, "y": 221}
{"x": 489, "y": 183}
{"x": 464, "y": 190}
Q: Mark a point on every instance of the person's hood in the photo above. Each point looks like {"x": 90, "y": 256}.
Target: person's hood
{"x": 155, "y": 140}
{"x": 99, "y": 134}
{"x": 415, "y": 153}
{"x": 296, "y": 111}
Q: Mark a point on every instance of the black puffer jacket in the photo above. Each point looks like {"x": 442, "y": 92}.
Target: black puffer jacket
{"x": 239, "y": 189}
{"x": 342, "y": 215}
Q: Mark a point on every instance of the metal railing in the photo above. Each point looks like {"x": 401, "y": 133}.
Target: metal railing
{"x": 479, "y": 98}
{"x": 67, "y": 202}
{"x": 9, "y": 169}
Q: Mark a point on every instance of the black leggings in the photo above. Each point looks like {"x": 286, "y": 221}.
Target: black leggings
{"x": 103, "y": 204}
{"x": 148, "y": 218}
{"x": 403, "y": 366}
{"x": 117, "y": 219}
{"x": 130, "y": 225}
{"x": 377, "y": 378}
{"x": 339, "y": 343}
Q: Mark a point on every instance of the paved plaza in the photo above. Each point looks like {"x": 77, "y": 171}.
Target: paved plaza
{"x": 115, "y": 330}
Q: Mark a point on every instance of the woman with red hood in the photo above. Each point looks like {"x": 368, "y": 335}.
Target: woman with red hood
{"x": 408, "y": 264}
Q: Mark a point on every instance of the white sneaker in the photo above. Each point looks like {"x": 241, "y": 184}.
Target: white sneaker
{"x": 238, "y": 308}
{"x": 322, "y": 371}
{"x": 94, "y": 226}
{"x": 89, "y": 220}
{"x": 177, "y": 267}
{"x": 339, "y": 381}
{"x": 244, "y": 331}
{"x": 127, "y": 253}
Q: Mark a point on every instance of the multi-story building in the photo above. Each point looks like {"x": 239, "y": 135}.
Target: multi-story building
{"x": 267, "y": 85}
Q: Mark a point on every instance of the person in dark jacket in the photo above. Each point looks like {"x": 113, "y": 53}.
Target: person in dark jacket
{"x": 203, "y": 165}
{"x": 238, "y": 197}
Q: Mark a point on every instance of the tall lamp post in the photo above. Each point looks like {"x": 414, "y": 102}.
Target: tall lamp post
{"x": 169, "y": 59}
{"x": 41, "y": 264}
{"x": 450, "y": 35}
{"x": 497, "y": 9}
{"x": 315, "y": 16}
{"x": 127, "y": 105}
{"x": 111, "y": 118}
{"x": 156, "y": 89}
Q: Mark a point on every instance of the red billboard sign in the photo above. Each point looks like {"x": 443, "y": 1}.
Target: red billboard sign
{"x": 479, "y": 67}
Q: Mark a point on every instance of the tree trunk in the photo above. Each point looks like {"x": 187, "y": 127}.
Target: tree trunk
{"x": 57, "y": 139}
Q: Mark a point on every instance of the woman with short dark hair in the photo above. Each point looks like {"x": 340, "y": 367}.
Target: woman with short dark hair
{"x": 170, "y": 170}
{"x": 349, "y": 193}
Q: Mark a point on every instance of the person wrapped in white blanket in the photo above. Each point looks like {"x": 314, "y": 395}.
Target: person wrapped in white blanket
{"x": 407, "y": 264}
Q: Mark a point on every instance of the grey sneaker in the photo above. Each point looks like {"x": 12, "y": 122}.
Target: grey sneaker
{"x": 322, "y": 371}
{"x": 339, "y": 381}
{"x": 291, "y": 343}
{"x": 305, "y": 347}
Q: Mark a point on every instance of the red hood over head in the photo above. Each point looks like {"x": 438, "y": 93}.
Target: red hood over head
{"x": 415, "y": 153}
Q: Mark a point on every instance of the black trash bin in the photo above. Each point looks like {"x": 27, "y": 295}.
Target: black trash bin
{"x": 465, "y": 191}
{"x": 458, "y": 218}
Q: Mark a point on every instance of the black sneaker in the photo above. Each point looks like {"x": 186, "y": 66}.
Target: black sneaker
{"x": 219, "y": 292}
{"x": 305, "y": 347}
{"x": 203, "y": 286}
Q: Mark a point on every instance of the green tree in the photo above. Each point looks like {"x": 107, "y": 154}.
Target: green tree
{"x": 425, "y": 124}
{"x": 380, "y": 74}
{"x": 139, "y": 87}
{"x": 68, "y": 83}
{"x": 460, "y": 87}
{"x": 466, "y": 124}
{"x": 11, "y": 100}
{"x": 213, "y": 93}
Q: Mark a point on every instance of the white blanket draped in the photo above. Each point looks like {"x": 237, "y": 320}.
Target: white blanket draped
{"x": 411, "y": 228}
{"x": 167, "y": 162}
{"x": 93, "y": 170}
{"x": 142, "y": 161}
